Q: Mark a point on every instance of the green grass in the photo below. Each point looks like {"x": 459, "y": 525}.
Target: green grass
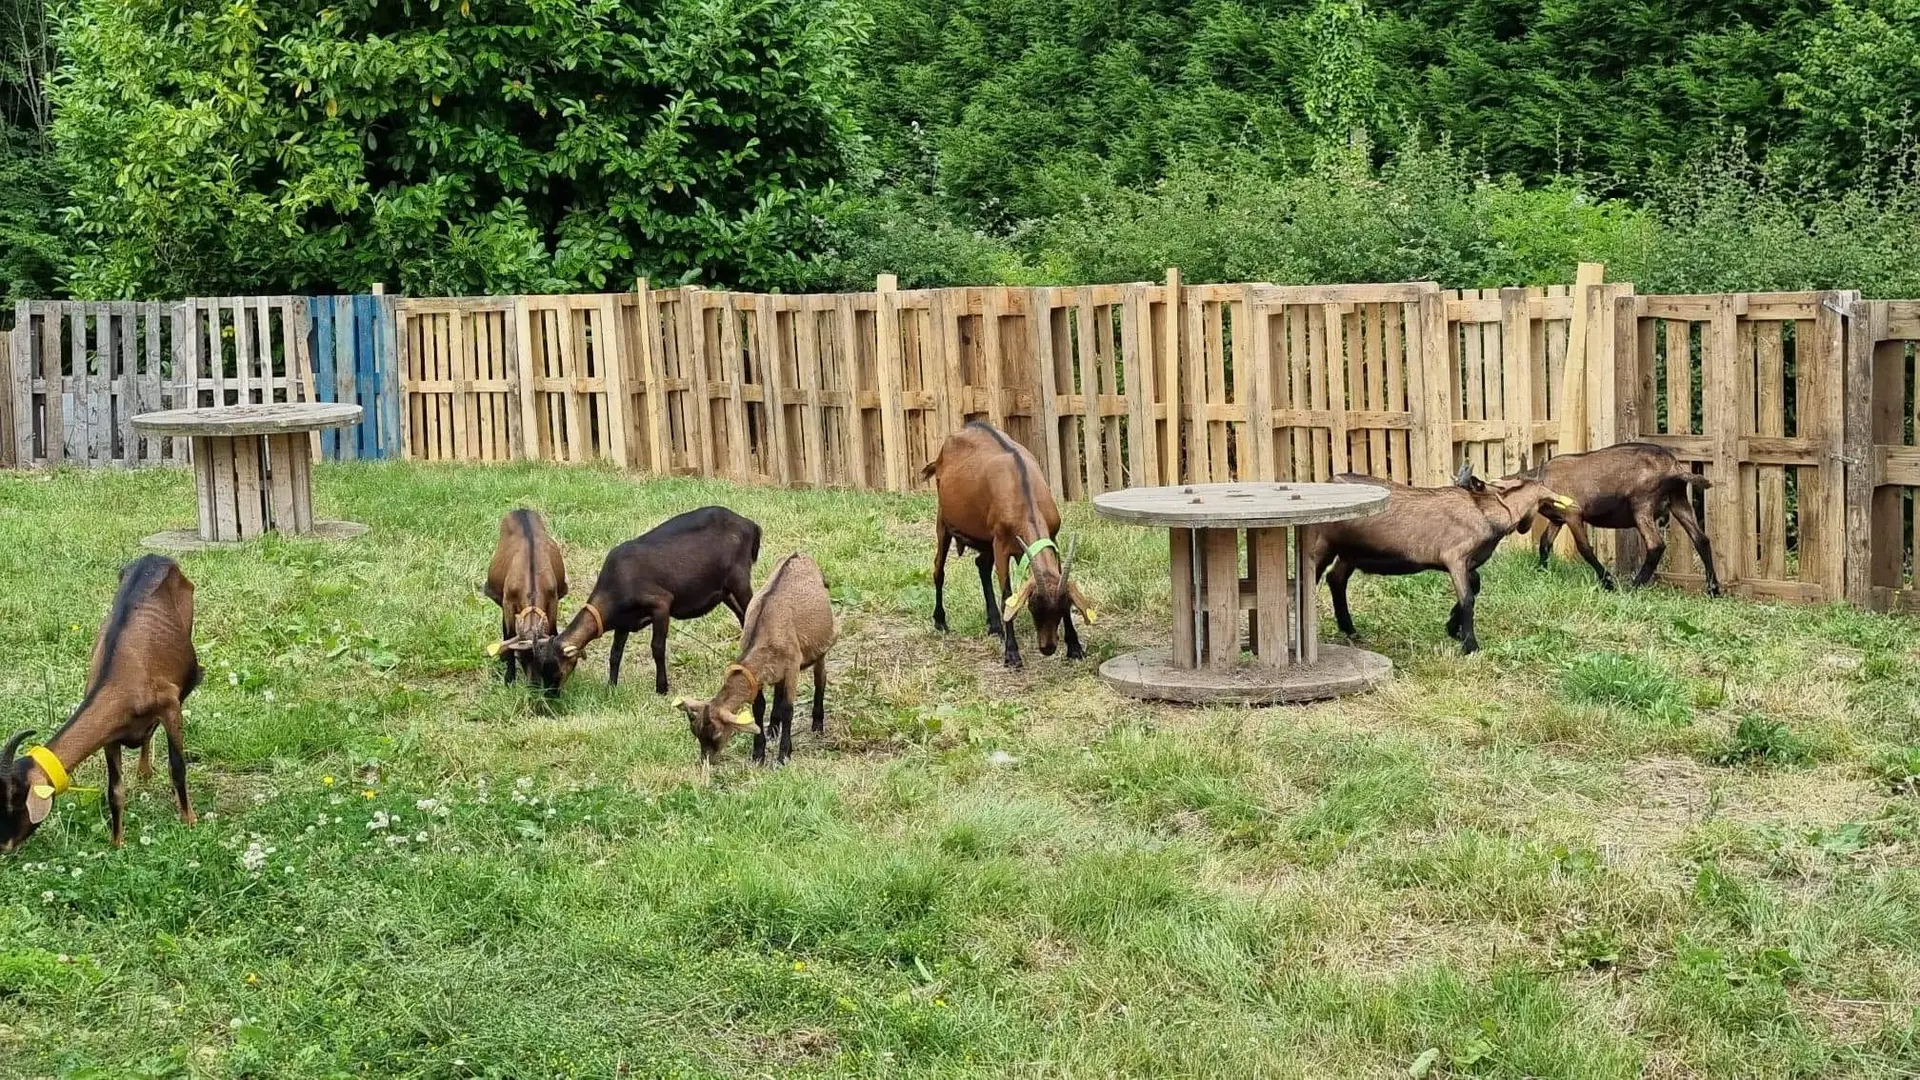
{"x": 1640, "y": 834}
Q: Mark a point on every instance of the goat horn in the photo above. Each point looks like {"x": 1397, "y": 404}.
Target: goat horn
{"x": 6, "y": 752}
{"x": 1066, "y": 568}
{"x": 1019, "y": 601}
{"x": 1465, "y": 474}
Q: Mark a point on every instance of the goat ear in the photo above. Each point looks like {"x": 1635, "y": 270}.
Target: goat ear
{"x": 570, "y": 650}
{"x": 1465, "y": 475}
{"x": 39, "y": 803}
{"x": 1018, "y": 601}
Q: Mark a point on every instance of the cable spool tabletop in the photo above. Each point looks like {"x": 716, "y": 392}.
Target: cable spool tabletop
{"x": 252, "y": 469}
{"x": 1287, "y": 660}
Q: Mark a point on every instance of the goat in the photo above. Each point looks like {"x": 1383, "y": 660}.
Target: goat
{"x": 1453, "y": 528}
{"x": 788, "y": 629}
{"x": 994, "y": 499}
{"x": 143, "y": 668}
{"x": 527, "y": 578}
{"x": 680, "y": 569}
{"x": 1628, "y": 485}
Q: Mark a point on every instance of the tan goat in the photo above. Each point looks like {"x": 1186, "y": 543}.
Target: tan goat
{"x": 1454, "y": 528}
{"x": 527, "y": 578}
{"x": 789, "y": 628}
{"x": 143, "y": 668}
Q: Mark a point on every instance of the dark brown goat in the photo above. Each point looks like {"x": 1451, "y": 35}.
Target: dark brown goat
{"x": 993, "y": 498}
{"x": 527, "y": 578}
{"x": 1453, "y": 528}
{"x": 143, "y": 668}
{"x": 681, "y": 569}
{"x": 1625, "y": 486}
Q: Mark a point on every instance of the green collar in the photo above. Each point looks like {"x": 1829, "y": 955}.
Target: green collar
{"x": 1026, "y": 557}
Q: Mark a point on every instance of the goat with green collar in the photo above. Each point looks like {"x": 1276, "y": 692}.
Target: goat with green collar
{"x": 994, "y": 499}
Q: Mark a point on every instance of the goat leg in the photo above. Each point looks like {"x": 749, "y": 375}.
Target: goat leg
{"x": 660, "y": 620}
{"x": 116, "y": 794}
{"x": 177, "y": 761}
{"x": 1001, "y": 558}
{"x": 613, "y": 657}
{"x": 1583, "y": 540}
{"x": 940, "y": 540}
{"x": 985, "y": 563}
{"x": 507, "y": 655}
{"x": 1682, "y": 512}
{"x": 1547, "y": 537}
{"x": 760, "y": 722}
{"x": 1653, "y": 540}
{"x": 1466, "y": 589}
{"x": 1337, "y": 577}
{"x": 1453, "y": 617}
{"x": 146, "y": 759}
{"x": 1074, "y": 651}
{"x": 820, "y": 695}
{"x": 783, "y": 718}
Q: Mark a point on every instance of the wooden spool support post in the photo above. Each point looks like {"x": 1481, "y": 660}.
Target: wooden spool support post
{"x": 252, "y": 469}
{"x": 1204, "y": 523}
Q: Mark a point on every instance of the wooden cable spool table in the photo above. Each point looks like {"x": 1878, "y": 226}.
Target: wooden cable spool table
{"x": 252, "y": 470}
{"x": 1288, "y": 663}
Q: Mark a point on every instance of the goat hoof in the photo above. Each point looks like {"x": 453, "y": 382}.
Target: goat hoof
{"x": 1606, "y": 583}
{"x": 940, "y": 623}
{"x": 1076, "y": 653}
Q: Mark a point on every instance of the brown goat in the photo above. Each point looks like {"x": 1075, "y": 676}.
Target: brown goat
{"x": 788, "y": 629}
{"x": 1625, "y": 486}
{"x": 993, "y": 498}
{"x": 1453, "y": 528}
{"x": 527, "y": 578}
{"x": 143, "y": 668}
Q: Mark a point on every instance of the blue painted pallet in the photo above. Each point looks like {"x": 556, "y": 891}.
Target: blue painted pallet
{"x": 352, "y": 346}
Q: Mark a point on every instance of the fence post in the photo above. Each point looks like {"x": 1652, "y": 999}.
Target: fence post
{"x": 20, "y": 382}
{"x": 1431, "y": 387}
{"x": 1720, "y": 387}
{"x": 527, "y": 388}
{"x": 1516, "y": 361}
{"x": 1253, "y": 383}
{"x": 659, "y": 461}
{"x": 1170, "y": 379}
{"x": 887, "y": 379}
{"x": 1868, "y": 392}
{"x": 1056, "y": 455}
{"x": 1625, "y": 358}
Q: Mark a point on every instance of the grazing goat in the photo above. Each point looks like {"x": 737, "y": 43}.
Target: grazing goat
{"x": 527, "y": 578}
{"x": 1626, "y": 486}
{"x": 788, "y": 629}
{"x": 143, "y": 669}
{"x": 681, "y": 569}
{"x": 1454, "y": 528}
{"x": 993, "y": 498}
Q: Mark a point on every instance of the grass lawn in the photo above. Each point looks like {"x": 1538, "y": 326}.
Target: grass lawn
{"x": 1641, "y": 834}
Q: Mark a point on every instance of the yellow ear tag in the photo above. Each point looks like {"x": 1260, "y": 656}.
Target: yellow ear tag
{"x": 493, "y": 649}
{"x": 43, "y": 791}
{"x": 1089, "y": 614}
{"x": 679, "y": 703}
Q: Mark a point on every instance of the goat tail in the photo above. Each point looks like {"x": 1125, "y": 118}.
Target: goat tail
{"x": 926, "y": 473}
{"x": 1696, "y": 480}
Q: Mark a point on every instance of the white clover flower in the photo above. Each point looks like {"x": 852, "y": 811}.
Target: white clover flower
{"x": 380, "y": 820}
{"x": 47, "y": 896}
{"x": 254, "y": 857}
{"x": 420, "y": 837}
{"x": 266, "y": 695}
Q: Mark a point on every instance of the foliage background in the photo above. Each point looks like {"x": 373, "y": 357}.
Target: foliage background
{"x": 193, "y": 146}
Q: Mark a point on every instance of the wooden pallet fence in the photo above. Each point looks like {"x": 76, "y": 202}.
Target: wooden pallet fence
{"x": 79, "y": 372}
{"x": 1883, "y": 454}
{"x": 1749, "y": 388}
{"x": 353, "y": 362}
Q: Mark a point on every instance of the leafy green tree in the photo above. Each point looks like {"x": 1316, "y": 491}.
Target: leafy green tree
{"x": 449, "y": 145}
